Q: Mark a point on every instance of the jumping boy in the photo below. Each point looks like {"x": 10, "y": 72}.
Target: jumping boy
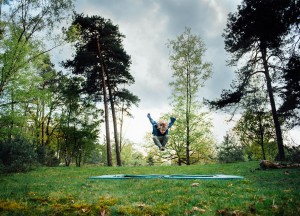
{"x": 160, "y": 131}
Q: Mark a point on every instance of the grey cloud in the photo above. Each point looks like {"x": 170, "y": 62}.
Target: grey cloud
{"x": 148, "y": 25}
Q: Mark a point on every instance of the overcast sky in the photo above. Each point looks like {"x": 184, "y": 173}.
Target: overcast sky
{"x": 147, "y": 26}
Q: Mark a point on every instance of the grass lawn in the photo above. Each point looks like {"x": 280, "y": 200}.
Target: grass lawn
{"x": 68, "y": 191}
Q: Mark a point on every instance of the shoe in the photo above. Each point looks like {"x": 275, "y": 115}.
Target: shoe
{"x": 162, "y": 148}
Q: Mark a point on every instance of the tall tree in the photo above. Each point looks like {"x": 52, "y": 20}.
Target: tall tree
{"x": 256, "y": 34}
{"x": 189, "y": 74}
{"x": 100, "y": 57}
{"x": 118, "y": 74}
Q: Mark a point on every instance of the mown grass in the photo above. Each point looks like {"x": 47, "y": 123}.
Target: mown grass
{"x": 68, "y": 191}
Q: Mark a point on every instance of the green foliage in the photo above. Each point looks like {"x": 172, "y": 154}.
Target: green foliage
{"x": 78, "y": 122}
{"x": 257, "y": 135}
{"x": 251, "y": 26}
{"x": 29, "y": 87}
{"x": 95, "y": 157}
{"x": 230, "y": 151}
{"x": 291, "y": 93}
{"x": 192, "y": 136}
{"x": 17, "y": 155}
{"x": 24, "y": 24}
{"x": 131, "y": 156}
{"x": 200, "y": 138}
{"x": 46, "y": 156}
{"x": 150, "y": 160}
{"x": 293, "y": 154}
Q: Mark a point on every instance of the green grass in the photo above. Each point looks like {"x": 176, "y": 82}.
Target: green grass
{"x": 68, "y": 191}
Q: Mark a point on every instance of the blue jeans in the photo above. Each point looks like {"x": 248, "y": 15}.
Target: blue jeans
{"x": 161, "y": 141}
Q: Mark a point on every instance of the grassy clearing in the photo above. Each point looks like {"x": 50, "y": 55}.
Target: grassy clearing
{"x": 68, "y": 191}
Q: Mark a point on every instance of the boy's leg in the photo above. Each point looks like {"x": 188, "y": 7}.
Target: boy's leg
{"x": 165, "y": 140}
{"x": 156, "y": 141}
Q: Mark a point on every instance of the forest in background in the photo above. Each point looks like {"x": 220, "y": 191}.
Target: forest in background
{"x": 50, "y": 117}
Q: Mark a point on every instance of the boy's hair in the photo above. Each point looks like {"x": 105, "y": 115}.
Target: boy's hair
{"x": 162, "y": 125}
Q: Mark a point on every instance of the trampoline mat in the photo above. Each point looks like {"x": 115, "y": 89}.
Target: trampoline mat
{"x": 160, "y": 176}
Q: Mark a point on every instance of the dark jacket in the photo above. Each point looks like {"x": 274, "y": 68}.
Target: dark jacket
{"x": 155, "y": 131}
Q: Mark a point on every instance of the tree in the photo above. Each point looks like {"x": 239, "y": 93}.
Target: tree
{"x": 189, "y": 73}
{"x": 125, "y": 99}
{"x": 21, "y": 90}
{"x": 256, "y": 34}
{"x": 201, "y": 141}
{"x": 256, "y": 134}
{"x": 118, "y": 73}
{"x": 230, "y": 150}
{"x": 255, "y": 129}
{"x": 78, "y": 122}
{"x": 131, "y": 156}
{"x": 102, "y": 60}
{"x": 24, "y": 109}
{"x": 23, "y": 24}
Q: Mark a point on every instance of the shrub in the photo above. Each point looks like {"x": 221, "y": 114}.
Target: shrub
{"x": 46, "y": 156}
{"x": 293, "y": 154}
{"x": 230, "y": 151}
{"x": 17, "y": 155}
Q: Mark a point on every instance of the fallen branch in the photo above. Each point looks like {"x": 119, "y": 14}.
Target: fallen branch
{"x": 266, "y": 164}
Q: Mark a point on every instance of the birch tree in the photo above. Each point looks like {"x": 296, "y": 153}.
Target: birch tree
{"x": 190, "y": 72}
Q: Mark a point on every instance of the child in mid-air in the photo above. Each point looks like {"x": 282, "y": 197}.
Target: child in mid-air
{"x": 160, "y": 131}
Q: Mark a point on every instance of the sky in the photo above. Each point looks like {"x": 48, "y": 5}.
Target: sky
{"x": 148, "y": 25}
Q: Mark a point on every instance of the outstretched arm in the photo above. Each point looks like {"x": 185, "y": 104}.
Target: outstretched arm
{"x": 151, "y": 120}
{"x": 172, "y": 120}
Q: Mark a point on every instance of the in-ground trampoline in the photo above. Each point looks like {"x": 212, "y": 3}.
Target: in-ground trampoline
{"x": 161, "y": 176}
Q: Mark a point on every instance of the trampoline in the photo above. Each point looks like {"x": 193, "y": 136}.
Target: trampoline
{"x": 161, "y": 176}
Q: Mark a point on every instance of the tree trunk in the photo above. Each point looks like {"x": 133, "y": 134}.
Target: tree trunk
{"x": 10, "y": 136}
{"x": 112, "y": 104}
{"x": 47, "y": 129}
{"x": 261, "y": 131}
{"x": 121, "y": 126}
{"x": 187, "y": 115}
{"x": 273, "y": 108}
{"x": 43, "y": 124}
{"x": 108, "y": 145}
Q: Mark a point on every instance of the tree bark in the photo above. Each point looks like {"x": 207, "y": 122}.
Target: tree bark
{"x": 281, "y": 155}
{"x": 187, "y": 114}
{"x": 121, "y": 127}
{"x": 261, "y": 131}
{"x": 112, "y": 104}
{"x": 108, "y": 145}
